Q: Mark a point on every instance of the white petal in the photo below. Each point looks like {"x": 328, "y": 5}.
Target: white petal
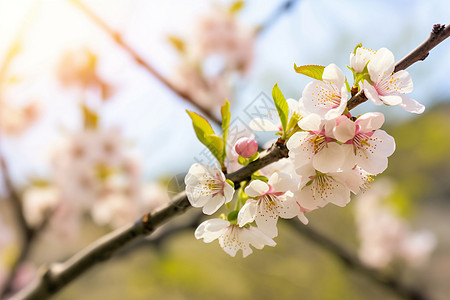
{"x": 289, "y": 208}
{"x": 311, "y": 122}
{"x": 370, "y": 121}
{"x": 411, "y": 105}
{"x": 228, "y": 192}
{"x": 257, "y": 238}
{"x": 210, "y": 230}
{"x": 259, "y": 124}
{"x": 373, "y": 165}
{"x": 381, "y": 65}
{"x": 231, "y": 241}
{"x": 198, "y": 171}
{"x": 371, "y": 93}
{"x": 267, "y": 224}
{"x": 334, "y": 75}
{"x": 330, "y": 158}
{"x": 340, "y": 195}
{"x": 391, "y": 99}
{"x": 336, "y": 112}
{"x": 247, "y": 213}
{"x": 297, "y": 140}
{"x": 344, "y": 130}
{"x": 281, "y": 182}
{"x": 401, "y": 81}
{"x": 256, "y": 188}
{"x": 213, "y": 204}
{"x": 373, "y": 156}
{"x": 307, "y": 201}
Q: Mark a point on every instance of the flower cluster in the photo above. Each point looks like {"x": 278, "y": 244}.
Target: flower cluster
{"x": 93, "y": 173}
{"x": 332, "y": 154}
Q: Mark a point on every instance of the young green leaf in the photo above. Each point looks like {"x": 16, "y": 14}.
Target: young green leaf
{"x": 281, "y": 105}
{"x": 226, "y": 116}
{"x": 207, "y": 136}
{"x": 313, "y": 71}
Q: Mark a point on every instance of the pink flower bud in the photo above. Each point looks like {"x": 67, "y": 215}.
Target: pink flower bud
{"x": 246, "y": 147}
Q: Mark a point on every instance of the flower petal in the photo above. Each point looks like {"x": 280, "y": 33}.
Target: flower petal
{"x": 247, "y": 213}
{"x": 411, "y": 105}
{"x": 311, "y": 122}
{"x": 259, "y": 124}
{"x": 213, "y": 204}
{"x": 256, "y": 188}
{"x": 344, "y": 129}
{"x": 370, "y": 121}
{"x": 381, "y": 65}
{"x": 330, "y": 158}
{"x": 210, "y": 230}
{"x": 391, "y": 99}
{"x": 371, "y": 93}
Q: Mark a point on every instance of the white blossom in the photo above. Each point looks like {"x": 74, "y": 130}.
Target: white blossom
{"x": 233, "y": 238}
{"x": 207, "y": 187}
{"x": 365, "y": 144}
{"x": 326, "y": 97}
{"x": 389, "y": 87}
{"x": 268, "y": 202}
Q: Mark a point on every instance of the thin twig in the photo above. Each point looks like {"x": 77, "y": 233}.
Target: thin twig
{"x": 438, "y": 34}
{"x": 117, "y": 37}
{"x": 390, "y": 283}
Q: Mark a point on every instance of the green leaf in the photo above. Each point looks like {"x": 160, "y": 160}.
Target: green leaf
{"x": 236, "y": 7}
{"x": 207, "y": 136}
{"x": 281, "y": 105}
{"x": 313, "y": 71}
{"x": 226, "y": 116}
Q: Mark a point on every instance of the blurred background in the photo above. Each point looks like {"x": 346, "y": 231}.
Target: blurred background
{"x": 81, "y": 118}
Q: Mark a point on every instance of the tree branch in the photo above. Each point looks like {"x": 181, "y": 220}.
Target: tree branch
{"x": 438, "y": 34}
{"x": 54, "y": 277}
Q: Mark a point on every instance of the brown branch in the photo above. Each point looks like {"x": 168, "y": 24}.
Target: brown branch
{"x": 437, "y": 35}
{"x": 117, "y": 37}
{"x": 56, "y": 276}
{"x": 390, "y": 283}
